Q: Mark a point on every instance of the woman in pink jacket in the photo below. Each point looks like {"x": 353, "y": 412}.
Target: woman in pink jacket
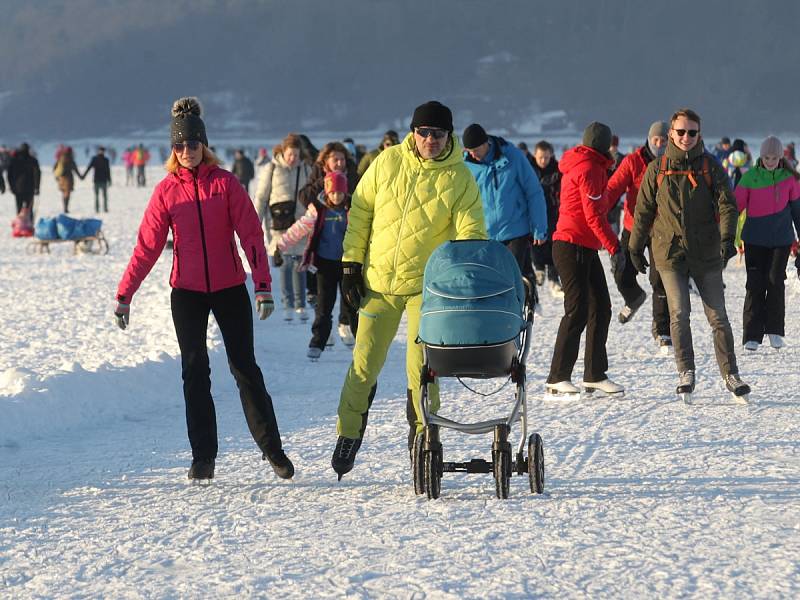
{"x": 204, "y": 205}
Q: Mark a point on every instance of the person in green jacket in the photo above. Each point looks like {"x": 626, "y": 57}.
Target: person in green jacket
{"x": 414, "y": 196}
{"x": 686, "y": 201}
{"x": 390, "y": 138}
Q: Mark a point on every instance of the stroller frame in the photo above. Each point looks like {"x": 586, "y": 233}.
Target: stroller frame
{"x": 426, "y": 454}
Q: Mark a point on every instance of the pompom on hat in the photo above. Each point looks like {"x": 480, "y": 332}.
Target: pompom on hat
{"x": 187, "y": 126}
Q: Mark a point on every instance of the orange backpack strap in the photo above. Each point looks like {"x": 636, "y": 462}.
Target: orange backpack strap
{"x": 707, "y": 172}
{"x": 662, "y": 170}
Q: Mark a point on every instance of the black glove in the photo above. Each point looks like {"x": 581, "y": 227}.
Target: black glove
{"x": 638, "y": 260}
{"x": 277, "y": 258}
{"x": 352, "y": 284}
{"x": 727, "y": 251}
{"x": 618, "y": 260}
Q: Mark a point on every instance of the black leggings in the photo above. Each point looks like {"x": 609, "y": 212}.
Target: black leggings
{"x": 234, "y": 315}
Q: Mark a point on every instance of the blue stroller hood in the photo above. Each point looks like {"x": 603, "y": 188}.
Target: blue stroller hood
{"x": 472, "y": 295}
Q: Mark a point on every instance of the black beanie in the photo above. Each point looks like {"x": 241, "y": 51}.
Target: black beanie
{"x": 187, "y": 126}
{"x": 597, "y": 136}
{"x": 474, "y": 136}
{"x": 432, "y": 114}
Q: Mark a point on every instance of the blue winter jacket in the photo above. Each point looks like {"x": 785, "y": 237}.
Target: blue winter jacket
{"x": 513, "y": 200}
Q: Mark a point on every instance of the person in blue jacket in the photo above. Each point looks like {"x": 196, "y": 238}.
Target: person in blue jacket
{"x": 513, "y": 200}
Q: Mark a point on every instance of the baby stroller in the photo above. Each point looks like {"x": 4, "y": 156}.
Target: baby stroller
{"x": 476, "y": 321}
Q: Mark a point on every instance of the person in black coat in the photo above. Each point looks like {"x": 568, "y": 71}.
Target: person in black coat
{"x": 546, "y": 167}
{"x": 24, "y": 177}
{"x": 102, "y": 178}
{"x": 243, "y": 169}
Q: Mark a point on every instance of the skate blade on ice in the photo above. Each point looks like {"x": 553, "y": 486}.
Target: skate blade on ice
{"x": 556, "y": 396}
{"x": 201, "y": 482}
{"x": 589, "y": 392}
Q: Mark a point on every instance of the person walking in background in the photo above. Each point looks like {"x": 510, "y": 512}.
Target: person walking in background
{"x": 545, "y": 166}
{"x": 24, "y": 177}
{"x": 513, "y": 201}
{"x": 278, "y": 207}
{"x": 722, "y": 149}
{"x": 615, "y": 210}
{"x": 324, "y": 223}
{"x": 626, "y": 180}
{"x": 243, "y": 169}
{"x": 583, "y": 229}
{"x": 389, "y": 139}
{"x": 140, "y": 159}
{"x": 412, "y": 198}
{"x": 101, "y": 178}
{"x": 686, "y": 205}
{"x": 127, "y": 159}
{"x": 770, "y": 193}
{"x": 63, "y": 170}
{"x": 263, "y": 158}
{"x": 738, "y": 161}
{"x": 204, "y": 206}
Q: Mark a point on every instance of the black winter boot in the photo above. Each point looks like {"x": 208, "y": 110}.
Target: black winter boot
{"x": 202, "y": 468}
{"x": 281, "y": 464}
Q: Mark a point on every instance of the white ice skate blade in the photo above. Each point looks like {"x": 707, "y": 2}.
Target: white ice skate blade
{"x": 743, "y": 399}
{"x": 665, "y": 350}
{"x": 555, "y": 396}
{"x": 686, "y": 397}
{"x": 592, "y": 391}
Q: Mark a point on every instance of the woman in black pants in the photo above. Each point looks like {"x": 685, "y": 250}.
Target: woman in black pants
{"x": 204, "y": 205}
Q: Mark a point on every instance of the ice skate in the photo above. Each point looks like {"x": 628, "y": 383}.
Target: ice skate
{"x": 629, "y": 310}
{"x": 202, "y": 471}
{"x": 607, "y": 387}
{"x": 344, "y": 455}
{"x": 751, "y": 345}
{"x": 776, "y": 341}
{"x": 288, "y": 314}
{"x": 539, "y": 275}
{"x": 556, "y": 291}
{"x": 301, "y": 314}
{"x": 314, "y": 353}
{"x": 346, "y": 336}
{"x": 563, "y": 390}
{"x": 664, "y": 345}
{"x": 737, "y": 387}
{"x": 685, "y": 387}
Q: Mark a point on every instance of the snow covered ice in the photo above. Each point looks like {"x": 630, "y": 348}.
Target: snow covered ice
{"x": 644, "y": 496}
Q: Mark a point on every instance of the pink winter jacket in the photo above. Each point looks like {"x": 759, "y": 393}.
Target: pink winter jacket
{"x": 203, "y": 212}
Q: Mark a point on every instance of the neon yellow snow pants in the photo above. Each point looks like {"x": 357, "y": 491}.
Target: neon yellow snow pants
{"x": 378, "y": 321}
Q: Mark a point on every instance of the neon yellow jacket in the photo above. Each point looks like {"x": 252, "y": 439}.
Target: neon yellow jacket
{"x": 403, "y": 208}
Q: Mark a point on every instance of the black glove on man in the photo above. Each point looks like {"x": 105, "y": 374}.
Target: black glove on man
{"x": 277, "y": 258}
{"x": 638, "y": 260}
{"x": 352, "y": 284}
{"x": 618, "y": 260}
{"x": 727, "y": 251}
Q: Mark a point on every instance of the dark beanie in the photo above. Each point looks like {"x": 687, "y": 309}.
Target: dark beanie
{"x": 597, "y": 136}
{"x": 474, "y": 136}
{"x": 432, "y": 114}
{"x": 187, "y": 126}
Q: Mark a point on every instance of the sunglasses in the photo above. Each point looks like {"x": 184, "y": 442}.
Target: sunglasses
{"x": 427, "y": 132}
{"x": 192, "y": 146}
{"x": 682, "y": 132}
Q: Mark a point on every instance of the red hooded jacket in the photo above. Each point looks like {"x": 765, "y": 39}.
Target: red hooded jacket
{"x": 627, "y": 179}
{"x": 583, "y": 214}
{"x": 203, "y": 209}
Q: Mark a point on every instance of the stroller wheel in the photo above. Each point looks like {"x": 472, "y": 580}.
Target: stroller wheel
{"x": 418, "y": 464}
{"x": 433, "y": 474}
{"x": 502, "y": 473}
{"x": 536, "y": 463}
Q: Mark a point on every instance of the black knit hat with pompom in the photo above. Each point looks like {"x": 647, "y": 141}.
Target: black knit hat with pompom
{"x": 187, "y": 126}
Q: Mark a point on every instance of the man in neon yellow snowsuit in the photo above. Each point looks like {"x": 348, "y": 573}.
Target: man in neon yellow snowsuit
{"x": 414, "y": 196}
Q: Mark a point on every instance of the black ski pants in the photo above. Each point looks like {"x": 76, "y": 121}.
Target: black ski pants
{"x": 765, "y": 301}
{"x": 24, "y": 200}
{"x": 234, "y": 315}
{"x": 587, "y": 305}
{"x": 329, "y": 282}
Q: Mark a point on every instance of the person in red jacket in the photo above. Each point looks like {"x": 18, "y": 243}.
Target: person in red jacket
{"x": 626, "y": 180}
{"x": 583, "y": 229}
{"x": 204, "y": 206}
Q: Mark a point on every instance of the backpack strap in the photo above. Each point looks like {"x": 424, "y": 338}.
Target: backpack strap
{"x": 662, "y": 170}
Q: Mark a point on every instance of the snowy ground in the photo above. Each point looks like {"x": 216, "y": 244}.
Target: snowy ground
{"x": 645, "y": 496}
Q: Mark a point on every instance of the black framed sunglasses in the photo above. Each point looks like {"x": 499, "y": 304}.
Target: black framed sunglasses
{"x": 192, "y": 146}
{"x": 427, "y": 132}
{"x": 682, "y": 132}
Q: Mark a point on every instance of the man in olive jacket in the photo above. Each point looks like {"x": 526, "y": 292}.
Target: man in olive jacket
{"x": 412, "y": 198}
{"x": 687, "y": 201}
